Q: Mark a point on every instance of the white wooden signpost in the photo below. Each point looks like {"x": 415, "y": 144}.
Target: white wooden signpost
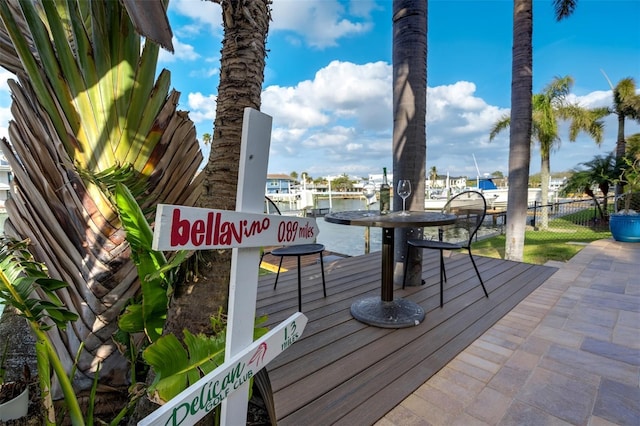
{"x": 245, "y": 231}
{"x": 196, "y": 401}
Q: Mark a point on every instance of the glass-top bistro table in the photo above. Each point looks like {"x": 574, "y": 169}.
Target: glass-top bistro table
{"x": 385, "y": 311}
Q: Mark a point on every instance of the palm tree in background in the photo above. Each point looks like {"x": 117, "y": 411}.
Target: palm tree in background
{"x": 409, "y": 120}
{"x": 86, "y": 107}
{"x": 433, "y": 175}
{"x": 547, "y": 107}
{"x": 626, "y": 104}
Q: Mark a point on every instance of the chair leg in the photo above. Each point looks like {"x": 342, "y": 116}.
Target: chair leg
{"x": 441, "y": 276}
{"x": 278, "y": 274}
{"x": 324, "y": 288}
{"x": 299, "y": 287}
{"x": 406, "y": 258}
{"x": 478, "y": 273}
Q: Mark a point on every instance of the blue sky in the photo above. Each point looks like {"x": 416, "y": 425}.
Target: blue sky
{"x": 328, "y": 78}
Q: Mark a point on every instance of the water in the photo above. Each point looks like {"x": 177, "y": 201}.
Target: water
{"x": 344, "y": 239}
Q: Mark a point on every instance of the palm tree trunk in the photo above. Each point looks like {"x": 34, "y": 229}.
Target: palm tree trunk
{"x": 545, "y": 167}
{"x": 242, "y": 63}
{"x": 520, "y": 128}
{"x": 409, "y": 119}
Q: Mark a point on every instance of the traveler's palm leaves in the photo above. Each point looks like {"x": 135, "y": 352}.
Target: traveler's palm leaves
{"x": 87, "y": 103}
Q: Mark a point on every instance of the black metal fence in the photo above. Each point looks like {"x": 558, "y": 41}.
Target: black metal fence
{"x": 585, "y": 218}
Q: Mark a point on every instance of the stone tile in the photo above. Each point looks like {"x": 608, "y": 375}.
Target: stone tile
{"x": 524, "y": 318}
{"x": 509, "y": 380}
{"x": 602, "y": 317}
{"x": 439, "y": 399}
{"x": 471, "y": 370}
{"x": 402, "y": 416}
{"x": 608, "y": 301}
{"x": 560, "y": 396}
{"x": 536, "y": 345}
{"x": 455, "y": 390}
{"x": 589, "y": 329}
{"x": 628, "y": 336}
{"x": 572, "y": 370}
{"x": 461, "y": 379}
{"x": 629, "y": 319}
{"x": 523, "y": 360}
{"x": 618, "y": 403}
{"x": 561, "y": 337}
{"x": 598, "y": 421}
{"x": 520, "y": 414}
{"x": 610, "y": 288}
{"x": 611, "y": 351}
{"x": 513, "y": 321}
{"x": 426, "y": 411}
{"x": 485, "y": 354}
{"x": 605, "y": 367}
{"x": 465, "y": 419}
{"x": 505, "y": 328}
{"x": 554, "y": 320}
{"x": 498, "y": 340}
{"x": 490, "y": 406}
{"x": 478, "y": 361}
{"x": 492, "y": 347}
{"x": 384, "y": 422}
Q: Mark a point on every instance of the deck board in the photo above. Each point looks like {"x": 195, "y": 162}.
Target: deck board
{"x": 344, "y": 372}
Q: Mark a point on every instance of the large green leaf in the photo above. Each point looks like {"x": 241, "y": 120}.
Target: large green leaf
{"x": 21, "y": 277}
{"x": 155, "y": 297}
{"x": 176, "y": 367}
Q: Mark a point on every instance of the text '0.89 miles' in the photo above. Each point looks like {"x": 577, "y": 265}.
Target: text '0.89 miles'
{"x": 289, "y": 231}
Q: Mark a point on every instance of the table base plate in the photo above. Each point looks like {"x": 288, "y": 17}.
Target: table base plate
{"x": 399, "y": 313}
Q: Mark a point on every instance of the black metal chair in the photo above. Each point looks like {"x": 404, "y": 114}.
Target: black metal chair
{"x": 297, "y": 251}
{"x": 470, "y": 207}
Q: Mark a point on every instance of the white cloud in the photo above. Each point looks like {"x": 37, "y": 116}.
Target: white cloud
{"x": 319, "y": 22}
{"x": 202, "y": 109}
{"x": 202, "y": 13}
{"x": 181, "y": 52}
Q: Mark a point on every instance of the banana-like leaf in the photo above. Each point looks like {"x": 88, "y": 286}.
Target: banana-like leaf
{"x": 21, "y": 277}
{"x": 176, "y": 367}
{"x": 155, "y": 299}
{"x": 88, "y": 100}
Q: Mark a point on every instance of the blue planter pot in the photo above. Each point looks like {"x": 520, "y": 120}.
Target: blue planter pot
{"x": 625, "y": 228}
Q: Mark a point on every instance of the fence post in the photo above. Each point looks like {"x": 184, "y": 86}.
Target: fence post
{"x": 535, "y": 210}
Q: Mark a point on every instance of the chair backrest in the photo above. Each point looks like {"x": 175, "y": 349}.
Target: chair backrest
{"x": 471, "y": 208}
{"x": 270, "y": 206}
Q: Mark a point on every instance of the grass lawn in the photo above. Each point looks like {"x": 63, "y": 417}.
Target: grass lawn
{"x": 560, "y": 242}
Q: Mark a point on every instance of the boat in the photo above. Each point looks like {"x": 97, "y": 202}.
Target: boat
{"x": 496, "y": 197}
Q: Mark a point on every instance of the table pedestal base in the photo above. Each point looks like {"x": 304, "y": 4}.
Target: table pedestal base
{"x": 399, "y": 313}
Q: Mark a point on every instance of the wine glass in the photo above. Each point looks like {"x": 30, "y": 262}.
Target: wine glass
{"x": 369, "y": 191}
{"x": 404, "y": 190}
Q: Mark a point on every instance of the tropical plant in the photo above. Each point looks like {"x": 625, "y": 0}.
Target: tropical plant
{"x": 600, "y": 171}
{"x": 21, "y": 278}
{"x": 626, "y": 104}
{"x": 87, "y": 104}
{"x": 409, "y": 118}
{"x": 630, "y": 180}
{"x": 547, "y": 107}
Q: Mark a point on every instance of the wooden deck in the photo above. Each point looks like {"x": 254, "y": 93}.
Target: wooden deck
{"x": 344, "y": 372}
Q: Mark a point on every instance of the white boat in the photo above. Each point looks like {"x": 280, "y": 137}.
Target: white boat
{"x": 496, "y": 197}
